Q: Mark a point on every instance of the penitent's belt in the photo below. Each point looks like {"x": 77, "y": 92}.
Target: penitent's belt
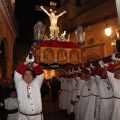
{"x": 85, "y": 96}
{"x": 89, "y": 95}
{"x": 117, "y": 97}
{"x": 40, "y": 113}
{"x": 11, "y": 111}
{"x": 108, "y": 98}
{"x": 7, "y": 112}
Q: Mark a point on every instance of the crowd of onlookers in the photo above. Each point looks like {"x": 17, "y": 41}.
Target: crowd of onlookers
{"x": 5, "y": 85}
{"x": 51, "y": 86}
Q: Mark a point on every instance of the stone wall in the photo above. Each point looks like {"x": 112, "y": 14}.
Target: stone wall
{"x": 8, "y": 33}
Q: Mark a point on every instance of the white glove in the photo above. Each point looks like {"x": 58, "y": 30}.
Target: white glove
{"x": 117, "y": 59}
{"x": 30, "y": 60}
{"x": 91, "y": 66}
{"x": 88, "y": 69}
{"x": 69, "y": 71}
{"x": 102, "y": 65}
{"x": 106, "y": 64}
{"x": 113, "y": 57}
{"x": 73, "y": 70}
{"x": 35, "y": 64}
{"x": 101, "y": 62}
{"x": 79, "y": 69}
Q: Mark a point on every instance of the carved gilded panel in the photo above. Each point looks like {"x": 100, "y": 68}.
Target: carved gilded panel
{"x": 48, "y": 55}
{"x": 62, "y": 55}
{"x": 74, "y": 56}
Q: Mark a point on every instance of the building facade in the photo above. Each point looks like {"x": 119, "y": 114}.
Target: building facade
{"x": 93, "y": 16}
{"x": 8, "y": 34}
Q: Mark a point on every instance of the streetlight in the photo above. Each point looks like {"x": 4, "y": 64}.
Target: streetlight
{"x": 80, "y": 36}
{"x": 108, "y": 30}
{"x": 116, "y": 36}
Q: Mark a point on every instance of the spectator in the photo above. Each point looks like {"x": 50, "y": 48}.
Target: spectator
{"x": 54, "y": 89}
{"x": 11, "y": 105}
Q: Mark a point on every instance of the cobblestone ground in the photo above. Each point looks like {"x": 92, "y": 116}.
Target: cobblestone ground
{"x": 51, "y": 110}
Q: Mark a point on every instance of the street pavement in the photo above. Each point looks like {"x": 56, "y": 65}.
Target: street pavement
{"x": 51, "y": 110}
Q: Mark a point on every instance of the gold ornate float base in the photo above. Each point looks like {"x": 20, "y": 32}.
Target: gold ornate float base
{"x": 50, "y": 55}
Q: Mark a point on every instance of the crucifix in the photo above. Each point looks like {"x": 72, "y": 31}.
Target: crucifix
{"x": 54, "y": 29}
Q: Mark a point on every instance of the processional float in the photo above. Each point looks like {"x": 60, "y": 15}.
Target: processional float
{"x": 56, "y": 48}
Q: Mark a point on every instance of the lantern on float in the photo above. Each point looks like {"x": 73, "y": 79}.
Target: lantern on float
{"x": 80, "y": 35}
{"x": 39, "y": 30}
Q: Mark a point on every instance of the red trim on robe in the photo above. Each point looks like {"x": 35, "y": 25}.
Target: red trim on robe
{"x": 64, "y": 76}
{"x": 93, "y": 73}
{"x": 72, "y": 76}
{"x": 21, "y": 68}
{"x": 99, "y": 72}
{"x": 78, "y": 75}
{"x": 111, "y": 68}
{"x": 38, "y": 70}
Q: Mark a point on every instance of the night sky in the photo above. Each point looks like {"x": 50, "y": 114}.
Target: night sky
{"x": 27, "y": 16}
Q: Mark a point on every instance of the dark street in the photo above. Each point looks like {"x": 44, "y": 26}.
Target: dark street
{"x": 51, "y": 110}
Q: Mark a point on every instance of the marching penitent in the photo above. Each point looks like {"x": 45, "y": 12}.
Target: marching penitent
{"x": 28, "y": 79}
{"x": 93, "y": 91}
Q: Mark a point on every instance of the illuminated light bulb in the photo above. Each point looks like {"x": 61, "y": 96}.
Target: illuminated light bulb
{"x": 108, "y": 31}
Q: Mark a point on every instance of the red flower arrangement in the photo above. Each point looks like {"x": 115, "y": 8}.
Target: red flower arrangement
{"x": 55, "y": 43}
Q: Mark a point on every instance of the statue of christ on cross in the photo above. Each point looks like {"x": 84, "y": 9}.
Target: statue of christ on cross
{"x": 54, "y": 29}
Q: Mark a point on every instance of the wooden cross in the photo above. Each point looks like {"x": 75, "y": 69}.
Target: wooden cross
{"x": 37, "y": 8}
